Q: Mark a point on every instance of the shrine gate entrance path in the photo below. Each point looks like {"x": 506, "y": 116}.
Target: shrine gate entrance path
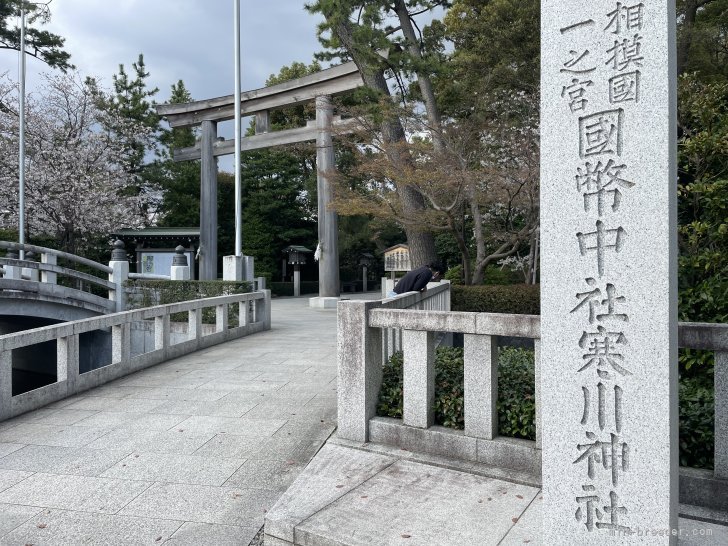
{"x": 192, "y": 451}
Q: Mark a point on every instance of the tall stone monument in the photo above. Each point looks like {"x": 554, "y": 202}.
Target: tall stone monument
{"x": 608, "y": 223}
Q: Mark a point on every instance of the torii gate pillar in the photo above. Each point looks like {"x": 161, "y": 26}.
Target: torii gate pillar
{"x": 328, "y": 223}
{"x": 208, "y": 203}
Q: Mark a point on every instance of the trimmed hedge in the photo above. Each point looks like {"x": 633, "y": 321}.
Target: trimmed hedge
{"x": 520, "y": 299}
{"x": 147, "y": 293}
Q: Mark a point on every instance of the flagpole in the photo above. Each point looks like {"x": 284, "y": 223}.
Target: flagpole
{"x": 238, "y": 138}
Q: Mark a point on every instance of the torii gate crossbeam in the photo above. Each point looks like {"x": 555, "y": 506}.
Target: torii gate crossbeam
{"x": 318, "y": 87}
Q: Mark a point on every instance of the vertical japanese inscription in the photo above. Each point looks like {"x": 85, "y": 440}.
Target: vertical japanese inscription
{"x": 603, "y": 182}
{"x": 608, "y": 262}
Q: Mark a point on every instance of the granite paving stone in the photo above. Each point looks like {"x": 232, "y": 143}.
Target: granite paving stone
{"x": 421, "y": 501}
{"x": 196, "y": 534}
{"x": 133, "y": 405}
{"x": 142, "y": 421}
{"x": 83, "y": 493}
{"x": 9, "y": 477}
{"x": 6, "y": 449}
{"x": 165, "y": 441}
{"x": 201, "y": 424}
{"x": 266, "y": 474}
{"x": 204, "y": 504}
{"x": 62, "y": 528}
{"x": 163, "y": 393}
{"x": 12, "y": 516}
{"x": 62, "y": 460}
{"x": 55, "y": 416}
{"x": 230, "y": 446}
{"x": 51, "y": 435}
{"x": 225, "y": 407}
{"x": 173, "y": 467}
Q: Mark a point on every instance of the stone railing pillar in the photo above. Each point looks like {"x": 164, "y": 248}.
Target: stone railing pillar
{"x": 261, "y": 309}
{"x": 221, "y": 317}
{"x": 180, "y": 270}
{"x": 720, "y": 465}
{"x": 119, "y": 275}
{"x": 419, "y": 378}
{"x": 67, "y": 362}
{"x": 6, "y": 384}
{"x": 48, "y": 277}
{"x": 120, "y": 343}
{"x": 359, "y": 354}
{"x": 481, "y": 386}
{"x": 30, "y": 273}
{"x": 161, "y": 332}
{"x": 194, "y": 324}
{"x": 12, "y": 271}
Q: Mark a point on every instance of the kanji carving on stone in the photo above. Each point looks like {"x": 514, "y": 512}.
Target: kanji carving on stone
{"x": 601, "y": 133}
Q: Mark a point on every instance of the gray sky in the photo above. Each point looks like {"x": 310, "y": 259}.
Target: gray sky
{"x": 190, "y": 40}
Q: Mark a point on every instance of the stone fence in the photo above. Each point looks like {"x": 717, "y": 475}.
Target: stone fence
{"x": 363, "y": 330}
{"x": 126, "y": 357}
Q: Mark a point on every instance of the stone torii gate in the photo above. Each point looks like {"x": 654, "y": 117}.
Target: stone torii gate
{"x": 319, "y": 87}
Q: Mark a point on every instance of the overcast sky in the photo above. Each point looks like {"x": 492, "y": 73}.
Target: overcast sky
{"x": 191, "y": 40}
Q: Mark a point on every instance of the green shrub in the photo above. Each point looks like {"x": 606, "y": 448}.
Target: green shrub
{"x": 517, "y": 406}
{"x": 454, "y": 275}
{"x": 522, "y": 299}
{"x": 696, "y": 422}
{"x": 494, "y": 274}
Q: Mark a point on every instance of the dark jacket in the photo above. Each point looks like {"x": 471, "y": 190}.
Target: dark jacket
{"x": 414, "y": 281}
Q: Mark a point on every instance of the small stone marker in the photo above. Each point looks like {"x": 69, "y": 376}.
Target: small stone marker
{"x": 608, "y": 224}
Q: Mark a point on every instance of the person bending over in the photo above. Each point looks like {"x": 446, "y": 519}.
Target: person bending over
{"x": 417, "y": 279}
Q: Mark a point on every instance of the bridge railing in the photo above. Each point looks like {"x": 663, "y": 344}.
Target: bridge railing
{"x": 127, "y": 355}
{"x": 361, "y": 327}
{"x": 42, "y": 278}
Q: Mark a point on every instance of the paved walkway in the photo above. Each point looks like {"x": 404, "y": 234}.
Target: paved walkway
{"x": 193, "y": 451}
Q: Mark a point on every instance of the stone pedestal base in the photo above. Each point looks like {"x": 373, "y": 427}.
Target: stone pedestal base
{"x": 323, "y": 303}
{"x": 232, "y": 268}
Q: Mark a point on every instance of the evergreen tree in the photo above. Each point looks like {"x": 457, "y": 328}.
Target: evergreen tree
{"x": 41, "y": 44}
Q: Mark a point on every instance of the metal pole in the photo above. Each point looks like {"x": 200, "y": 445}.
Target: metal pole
{"x": 21, "y": 154}
{"x": 238, "y": 137}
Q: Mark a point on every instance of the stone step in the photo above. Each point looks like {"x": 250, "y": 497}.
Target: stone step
{"x": 369, "y": 494}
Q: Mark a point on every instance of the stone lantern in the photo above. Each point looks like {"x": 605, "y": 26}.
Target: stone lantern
{"x": 366, "y": 261}
{"x": 296, "y": 256}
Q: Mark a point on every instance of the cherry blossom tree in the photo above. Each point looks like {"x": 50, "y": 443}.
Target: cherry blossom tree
{"x": 77, "y": 170}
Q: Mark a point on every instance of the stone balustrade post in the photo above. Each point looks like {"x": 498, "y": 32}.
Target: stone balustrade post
{"x": 119, "y": 275}
{"x": 194, "y": 324}
{"x": 67, "y": 351}
{"x": 12, "y": 271}
{"x": 720, "y": 466}
{"x": 481, "y": 386}
{"x": 48, "y": 277}
{"x": 6, "y": 384}
{"x": 243, "y": 312}
{"x": 180, "y": 270}
{"x": 359, "y": 350}
{"x": 120, "y": 343}
{"x": 419, "y": 378}
{"x": 221, "y": 317}
{"x": 261, "y": 309}
{"x": 30, "y": 273}
{"x": 161, "y": 332}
